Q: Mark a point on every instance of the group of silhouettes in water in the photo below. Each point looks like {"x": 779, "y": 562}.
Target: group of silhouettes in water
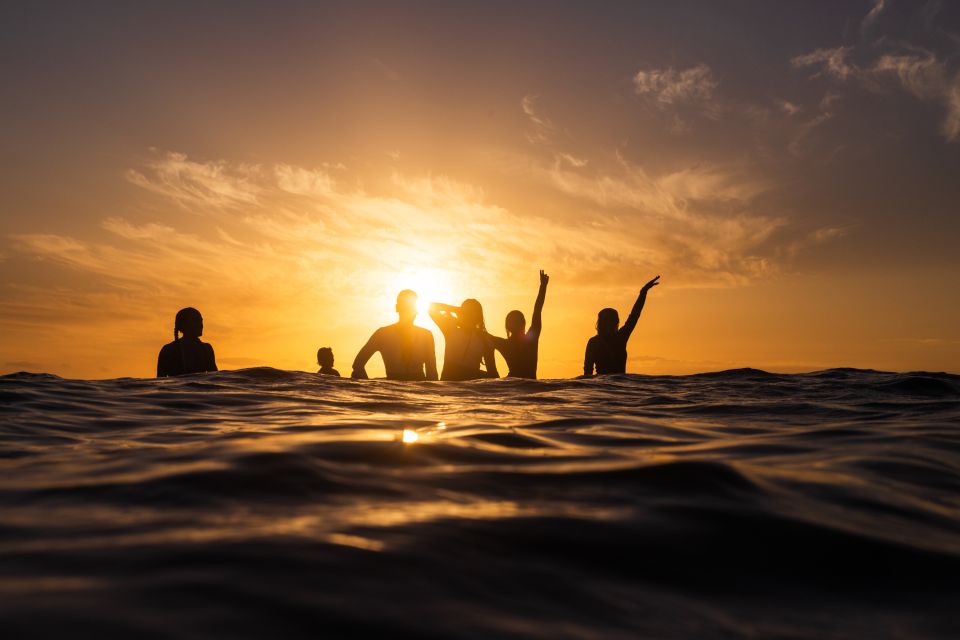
{"x": 408, "y": 350}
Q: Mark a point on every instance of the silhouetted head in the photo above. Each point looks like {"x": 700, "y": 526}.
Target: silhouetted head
{"x": 471, "y": 315}
{"x": 325, "y": 357}
{"x": 407, "y": 305}
{"x": 515, "y": 323}
{"x": 608, "y": 320}
{"x": 189, "y": 322}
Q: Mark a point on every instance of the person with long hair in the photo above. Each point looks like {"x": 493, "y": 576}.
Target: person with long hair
{"x": 607, "y": 351}
{"x": 186, "y": 354}
{"x": 520, "y": 347}
{"x": 468, "y": 345}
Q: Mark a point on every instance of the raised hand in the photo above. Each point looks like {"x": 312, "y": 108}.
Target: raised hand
{"x": 544, "y": 278}
{"x": 651, "y": 284}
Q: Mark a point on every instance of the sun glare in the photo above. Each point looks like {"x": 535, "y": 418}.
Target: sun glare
{"x": 409, "y": 436}
{"x": 431, "y": 285}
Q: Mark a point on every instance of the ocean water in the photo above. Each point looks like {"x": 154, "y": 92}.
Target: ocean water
{"x": 266, "y": 503}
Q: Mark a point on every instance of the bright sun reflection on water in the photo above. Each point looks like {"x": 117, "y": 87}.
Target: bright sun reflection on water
{"x": 409, "y": 436}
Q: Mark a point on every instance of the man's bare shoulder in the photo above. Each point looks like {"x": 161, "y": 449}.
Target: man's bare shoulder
{"x": 425, "y": 334}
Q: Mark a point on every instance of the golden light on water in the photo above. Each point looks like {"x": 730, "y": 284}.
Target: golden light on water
{"x": 409, "y": 436}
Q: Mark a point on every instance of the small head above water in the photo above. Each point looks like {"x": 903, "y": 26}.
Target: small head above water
{"x": 407, "y": 305}
{"x": 608, "y": 321}
{"x": 189, "y": 322}
{"x": 471, "y": 315}
{"x": 325, "y": 357}
{"x": 515, "y": 323}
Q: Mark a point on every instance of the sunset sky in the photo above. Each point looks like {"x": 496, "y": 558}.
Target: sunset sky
{"x": 790, "y": 169}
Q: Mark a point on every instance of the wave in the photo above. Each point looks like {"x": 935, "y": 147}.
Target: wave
{"x": 739, "y": 503}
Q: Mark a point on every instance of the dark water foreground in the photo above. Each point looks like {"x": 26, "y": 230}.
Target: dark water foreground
{"x": 269, "y": 503}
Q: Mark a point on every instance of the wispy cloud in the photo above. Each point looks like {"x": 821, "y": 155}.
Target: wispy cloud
{"x": 199, "y": 184}
{"x": 889, "y": 64}
{"x": 669, "y": 86}
{"x": 540, "y": 129}
{"x": 873, "y": 15}
{"x": 832, "y": 62}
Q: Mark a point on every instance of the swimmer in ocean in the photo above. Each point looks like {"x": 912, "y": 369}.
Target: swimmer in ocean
{"x": 520, "y": 347}
{"x": 325, "y": 360}
{"x": 607, "y": 351}
{"x": 187, "y": 354}
{"x": 407, "y": 350}
{"x": 468, "y": 345}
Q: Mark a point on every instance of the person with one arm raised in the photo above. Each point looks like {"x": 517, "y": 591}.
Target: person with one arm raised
{"x": 607, "y": 351}
{"x": 407, "y": 350}
{"x": 520, "y": 348}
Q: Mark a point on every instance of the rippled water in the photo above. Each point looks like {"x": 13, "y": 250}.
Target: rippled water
{"x": 269, "y": 503}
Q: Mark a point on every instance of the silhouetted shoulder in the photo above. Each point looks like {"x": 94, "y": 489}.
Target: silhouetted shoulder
{"x": 169, "y": 362}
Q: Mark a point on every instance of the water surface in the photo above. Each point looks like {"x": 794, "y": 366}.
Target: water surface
{"x": 739, "y": 504}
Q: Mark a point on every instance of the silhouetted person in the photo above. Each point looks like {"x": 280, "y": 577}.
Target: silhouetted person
{"x": 407, "y": 350}
{"x": 187, "y": 354}
{"x": 325, "y": 360}
{"x": 607, "y": 351}
{"x": 468, "y": 345}
{"x": 520, "y": 347}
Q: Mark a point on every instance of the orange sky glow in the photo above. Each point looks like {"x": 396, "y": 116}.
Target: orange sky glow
{"x": 288, "y": 170}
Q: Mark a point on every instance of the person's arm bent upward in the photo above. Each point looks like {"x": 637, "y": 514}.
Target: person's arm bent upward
{"x": 443, "y": 315}
{"x": 360, "y": 362}
{"x": 536, "y": 323}
{"x": 634, "y": 316}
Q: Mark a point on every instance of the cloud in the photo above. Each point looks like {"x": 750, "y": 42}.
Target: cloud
{"x": 918, "y": 72}
{"x": 833, "y": 62}
{"x": 788, "y": 107}
{"x": 698, "y": 222}
{"x": 872, "y": 15}
{"x": 541, "y": 129}
{"x": 666, "y": 87}
{"x": 199, "y": 184}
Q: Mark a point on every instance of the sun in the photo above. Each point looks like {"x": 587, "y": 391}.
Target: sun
{"x": 430, "y": 283}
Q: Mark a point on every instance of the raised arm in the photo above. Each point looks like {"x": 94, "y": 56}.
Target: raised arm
{"x": 443, "y": 314}
{"x": 360, "y": 362}
{"x": 634, "y": 316}
{"x": 431, "y": 362}
{"x": 536, "y": 323}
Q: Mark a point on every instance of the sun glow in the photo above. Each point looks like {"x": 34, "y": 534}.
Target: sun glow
{"x": 431, "y": 285}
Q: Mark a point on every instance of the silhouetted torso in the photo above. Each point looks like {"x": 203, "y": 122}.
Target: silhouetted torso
{"x": 407, "y": 350}
{"x": 607, "y": 354}
{"x": 186, "y": 355}
{"x": 328, "y": 371}
{"x": 520, "y": 353}
{"x": 463, "y": 352}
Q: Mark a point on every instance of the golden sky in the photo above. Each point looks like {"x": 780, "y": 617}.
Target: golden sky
{"x": 286, "y": 168}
